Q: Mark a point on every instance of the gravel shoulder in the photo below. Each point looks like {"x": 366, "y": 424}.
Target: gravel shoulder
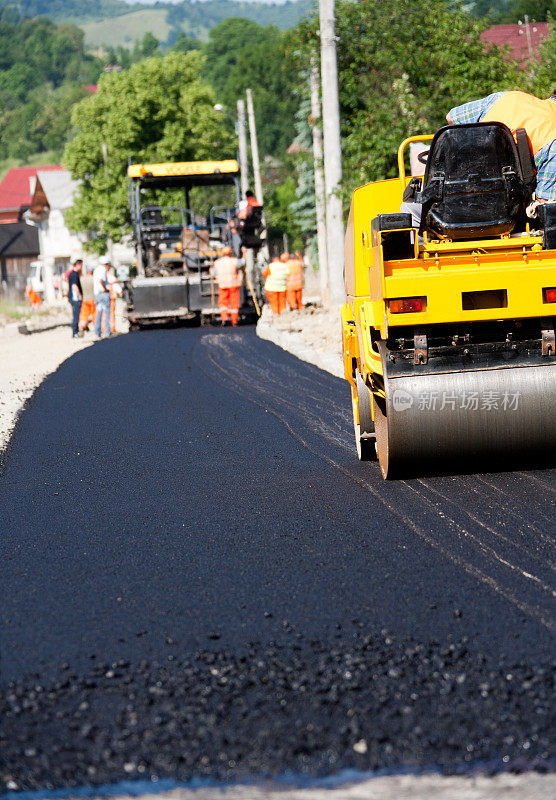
{"x": 405, "y": 787}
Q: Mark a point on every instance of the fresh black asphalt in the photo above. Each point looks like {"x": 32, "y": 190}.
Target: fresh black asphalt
{"x": 199, "y": 578}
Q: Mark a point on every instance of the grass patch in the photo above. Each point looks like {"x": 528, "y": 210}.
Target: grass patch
{"x": 124, "y": 30}
{"x": 14, "y": 310}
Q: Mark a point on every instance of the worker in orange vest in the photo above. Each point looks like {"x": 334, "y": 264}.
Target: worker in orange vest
{"x": 229, "y": 280}
{"x": 276, "y": 274}
{"x": 88, "y": 305}
{"x": 115, "y": 289}
{"x": 294, "y": 283}
{"x": 245, "y": 207}
{"x": 34, "y": 298}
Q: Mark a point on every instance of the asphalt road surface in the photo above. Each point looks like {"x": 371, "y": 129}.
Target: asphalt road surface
{"x": 200, "y": 580}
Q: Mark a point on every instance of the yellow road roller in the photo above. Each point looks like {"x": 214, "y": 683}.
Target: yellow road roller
{"x": 449, "y": 325}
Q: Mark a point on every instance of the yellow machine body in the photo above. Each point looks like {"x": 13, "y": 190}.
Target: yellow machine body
{"x": 458, "y": 282}
{"x": 184, "y": 169}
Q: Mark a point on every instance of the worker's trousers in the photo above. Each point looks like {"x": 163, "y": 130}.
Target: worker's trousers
{"x": 87, "y": 313}
{"x": 294, "y": 298}
{"x": 228, "y": 303}
{"x": 277, "y": 301}
{"x": 76, "y": 308}
{"x": 102, "y": 302}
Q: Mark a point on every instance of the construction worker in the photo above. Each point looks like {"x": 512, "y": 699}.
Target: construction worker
{"x": 276, "y": 274}
{"x": 75, "y": 295}
{"x": 34, "y": 298}
{"x": 246, "y": 206}
{"x": 294, "y": 282}
{"x": 115, "y": 289}
{"x": 229, "y": 280}
{"x": 102, "y": 296}
{"x": 88, "y": 305}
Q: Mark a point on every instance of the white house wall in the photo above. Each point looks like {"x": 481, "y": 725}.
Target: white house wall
{"x": 55, "y": 239}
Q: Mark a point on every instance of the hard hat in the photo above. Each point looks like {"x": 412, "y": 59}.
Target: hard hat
{"x": 226, "y": 251}
{"x": 285, "y": 257}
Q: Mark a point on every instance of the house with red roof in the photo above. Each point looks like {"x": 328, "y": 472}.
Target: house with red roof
{"x": 17, "y": 189}
{"x": 523, "y": 39}
{"x": 33, "y": 202}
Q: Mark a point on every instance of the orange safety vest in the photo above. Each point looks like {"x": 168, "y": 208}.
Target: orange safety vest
{"x": 225, "y": 271}
{"x": 522, "y": 110}
{"x": 251, "y": 202}
{"x": 295, "y": 274}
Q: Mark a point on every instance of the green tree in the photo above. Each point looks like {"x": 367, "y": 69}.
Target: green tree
{"x": 185, "y": 43}
{"x": 225, "y": 43}
{"x": 402, "y": 66}
{"x": 49, "y": 127}
{"x": 43, "y": 68}
{"x": 159, "y": 110}
{"x": 303, "y": 207}
{"x": 280, "y": 217}
{"x": 537, "y": 10}
{"x": 148, "y": 46}
{"x": 243, "y": 55}
{"x": 540, "y": 79}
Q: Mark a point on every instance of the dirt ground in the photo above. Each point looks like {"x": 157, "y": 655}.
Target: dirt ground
{"x": 405, "y": 787}
{"x": 313, "y": 335}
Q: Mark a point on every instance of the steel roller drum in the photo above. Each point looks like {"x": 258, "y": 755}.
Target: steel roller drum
{"x": 468, "y": 418}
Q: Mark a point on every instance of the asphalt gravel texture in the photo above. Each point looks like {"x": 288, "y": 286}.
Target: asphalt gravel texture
{"x": 199, "y": 579}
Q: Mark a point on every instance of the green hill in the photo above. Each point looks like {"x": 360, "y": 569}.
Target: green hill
{"x": 114, "y": 22}
{"x": 125, "y": 29}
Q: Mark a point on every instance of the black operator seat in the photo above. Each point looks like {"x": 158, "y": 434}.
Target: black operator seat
{"x": 152, "y": 217}
{"x": 475, "y": 183}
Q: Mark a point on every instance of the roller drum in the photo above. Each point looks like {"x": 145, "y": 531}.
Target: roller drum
{"x": 449, "y": 421}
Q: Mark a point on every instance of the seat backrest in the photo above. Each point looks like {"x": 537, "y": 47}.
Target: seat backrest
{"x": 152, "y": 216}
{"x": 473, "y": 185}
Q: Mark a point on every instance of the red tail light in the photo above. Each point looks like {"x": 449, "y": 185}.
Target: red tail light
{"x": 406, "y": 305}
{"x": 550, "y": 295}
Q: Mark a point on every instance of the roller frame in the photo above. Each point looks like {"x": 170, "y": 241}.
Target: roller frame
{"x": 498, "y": 406}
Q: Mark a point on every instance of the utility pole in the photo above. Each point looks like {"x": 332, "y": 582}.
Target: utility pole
{"x": 529, "y": 42}
{"x": 254, "y": 147}
{"x": 256, "y": 166}
{"x": 109, "y": 243}
{"x": 244, "y": 170}
{"x": 320, "y": 197}
{"x": 242, "y": 137}
{"x": 332, "y": 152}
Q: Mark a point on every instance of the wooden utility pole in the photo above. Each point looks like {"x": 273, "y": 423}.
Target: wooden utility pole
{"x": 332, "y": 152}
{"x": 320, "y": 197}
{"x": 242, "y": 138}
